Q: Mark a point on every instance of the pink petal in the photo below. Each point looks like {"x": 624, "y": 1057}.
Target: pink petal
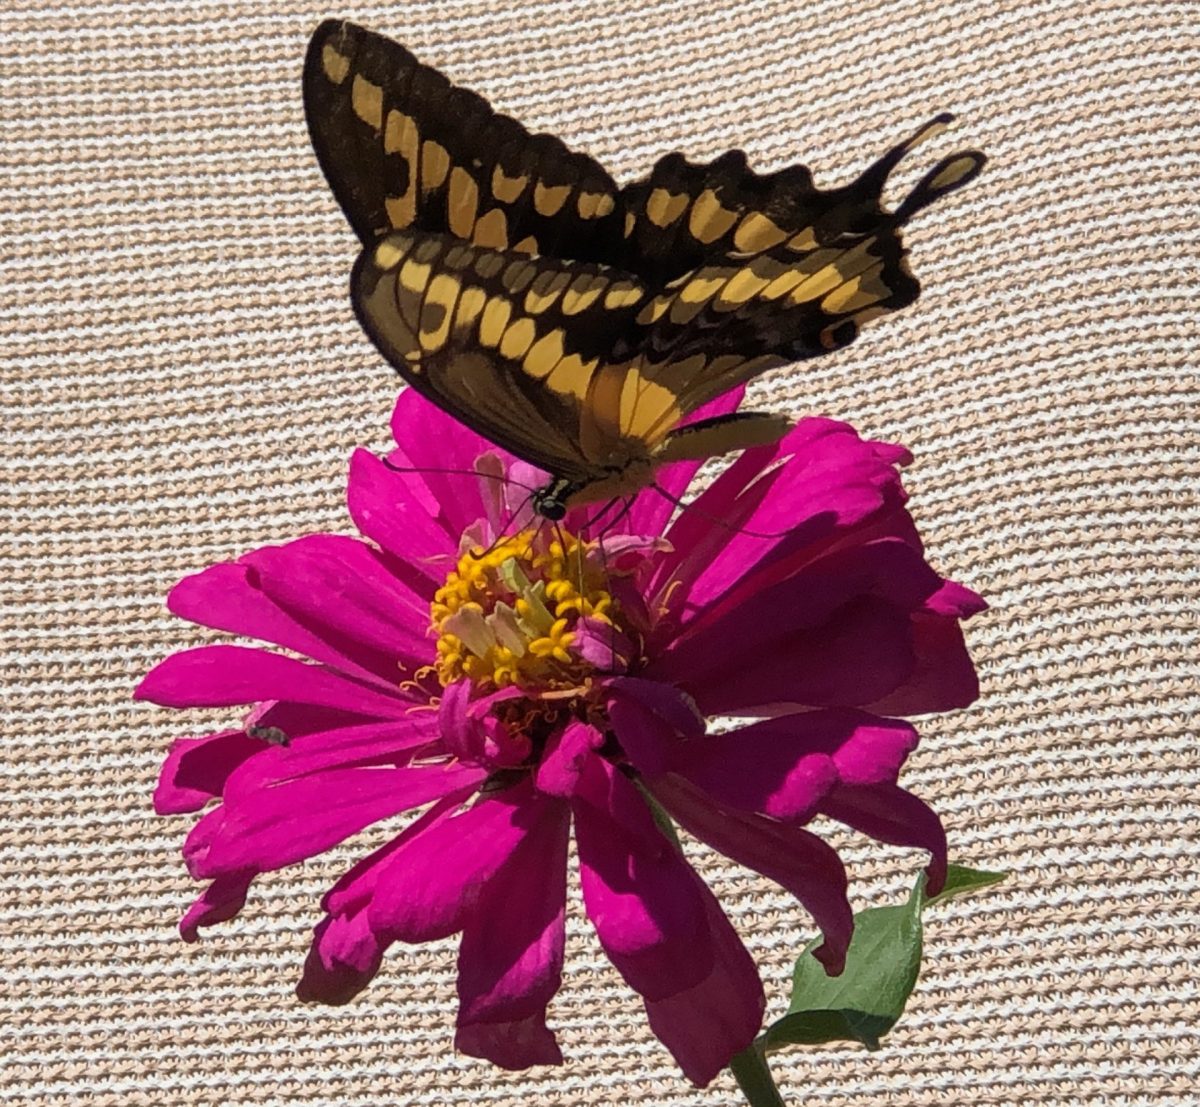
{"x": 196, "y": 769}
{"x": 705, "y": 1025}
{"x": 563, "y": 761}
{"x": 510, "y": 959}
{"x": 836, "y": 634}
{"x": 828, "y": 483}
{"x": 227, "y": 597}
{"x": 341, "y": 589}
{"x": 639, "y": 892}
{"x": 431, "y": 885}
{"x": 943, "y": 677}
{"x": 890, "y": 814}
{"x": 219, "y": 902}
{"x": 653, "y": 721}
{"x": 378, "y": 743}
{"x": 385, "y": 509}
{"x": 355, "y": 887}
{"x": 226, "y": 676}
{"x": 433, "y": 442}
{"x": 795, "y": 859}
{"x": 286, "y": 823}
{"x": 785, "y": 767}
{"x": 343, "y": 959}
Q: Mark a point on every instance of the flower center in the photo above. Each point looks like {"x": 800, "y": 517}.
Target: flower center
{"x": 514, "y": 614}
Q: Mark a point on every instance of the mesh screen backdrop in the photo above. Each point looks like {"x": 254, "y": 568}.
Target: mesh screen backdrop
{"x": 183, "y": 380}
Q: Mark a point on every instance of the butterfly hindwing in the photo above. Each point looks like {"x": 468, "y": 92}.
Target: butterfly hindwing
{"x": 403, "y": 147}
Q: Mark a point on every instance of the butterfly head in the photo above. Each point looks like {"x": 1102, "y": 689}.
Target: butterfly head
{"x": 550, "y": 502}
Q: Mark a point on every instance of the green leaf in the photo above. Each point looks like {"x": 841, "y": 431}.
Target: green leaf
{"x": 882, "y": 965}
{"x": 960, "y": 880}
{"x": 864, "y": 1002}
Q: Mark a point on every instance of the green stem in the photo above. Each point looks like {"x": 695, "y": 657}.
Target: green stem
{"x": 753, "y": 1075}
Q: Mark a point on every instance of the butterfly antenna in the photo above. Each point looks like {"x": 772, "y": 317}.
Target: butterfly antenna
{"x": 589, "y": 523}
{"x": 713, "y": 518}
{"x": 503, "y": 532}
{"x": 502, "y": 478}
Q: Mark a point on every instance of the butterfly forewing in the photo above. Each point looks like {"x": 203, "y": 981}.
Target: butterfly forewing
{"x": 403, "y": 147}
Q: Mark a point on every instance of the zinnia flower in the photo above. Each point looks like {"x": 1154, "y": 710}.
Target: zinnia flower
{"x": 509, "y": 681}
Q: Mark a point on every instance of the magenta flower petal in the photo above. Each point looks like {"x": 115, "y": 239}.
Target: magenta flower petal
{"x": 846, "y": 639}
{"x": 378, "y": 743}
{"x": 795, "y": 859}
{"x": 419, "y": 897}
{"x": 652, "y": 720}
{"x": 705, "y": 1025}
{"x": 340, "y": 588}
{"x": 343, "y": 959}
{"x": 942, "y": 677}
{"x": 890, "y": 814}
{"x": 355, "y": 887}
{"x": 510, "y": 959}
{"x": 196, "y": 769}
{"x": 639, "y": 892}
{"x": 228, "y": 676}
{"x": 437, "y": 444}
{"x": 218, "y": 903}
{"x": 785, "y": 767}
{"x": 563, "y": 762}
{"x": 385, "y": 509}
{"x": 227, "y": 597}
{"x": 290, "y": 822}
{"x": 829, "y": 483}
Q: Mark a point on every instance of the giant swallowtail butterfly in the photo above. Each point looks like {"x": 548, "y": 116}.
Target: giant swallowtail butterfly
{"x": 574, "y": 322}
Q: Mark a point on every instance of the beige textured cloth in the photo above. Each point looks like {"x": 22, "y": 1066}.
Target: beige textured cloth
{"x": 183, "y": 380}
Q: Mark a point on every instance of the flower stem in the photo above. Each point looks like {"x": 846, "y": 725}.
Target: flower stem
{"x": 753, "y": 1075}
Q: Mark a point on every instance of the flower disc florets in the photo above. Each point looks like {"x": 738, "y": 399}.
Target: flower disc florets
{"x": 510, "y": 615}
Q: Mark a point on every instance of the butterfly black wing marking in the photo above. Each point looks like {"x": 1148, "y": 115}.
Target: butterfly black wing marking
{"x": 403, "y": 147}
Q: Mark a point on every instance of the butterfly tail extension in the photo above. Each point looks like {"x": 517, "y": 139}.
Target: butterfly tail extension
{"x": 950, "y": 173}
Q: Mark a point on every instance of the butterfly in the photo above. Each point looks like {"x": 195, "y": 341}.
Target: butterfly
{"x": 572, "y": 321}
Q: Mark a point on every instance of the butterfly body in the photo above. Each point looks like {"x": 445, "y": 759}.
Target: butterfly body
{"x": 576, "y": 323}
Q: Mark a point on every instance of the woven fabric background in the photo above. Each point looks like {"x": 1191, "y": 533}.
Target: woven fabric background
{"x": 183, "y": 380}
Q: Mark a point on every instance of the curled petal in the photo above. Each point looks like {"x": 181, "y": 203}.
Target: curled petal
{"x": 344, "y": 957}
{"x": 942, "y": 677}
{"x": 567, "y": 752}
{"x": 219, "y": 902}
{"x": 654, "y": 722}
{"x": 196, "y": 769}
{"x": 890, "y": 814}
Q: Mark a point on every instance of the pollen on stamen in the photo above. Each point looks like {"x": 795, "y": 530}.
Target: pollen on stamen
{"x": 508, "y": 616}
